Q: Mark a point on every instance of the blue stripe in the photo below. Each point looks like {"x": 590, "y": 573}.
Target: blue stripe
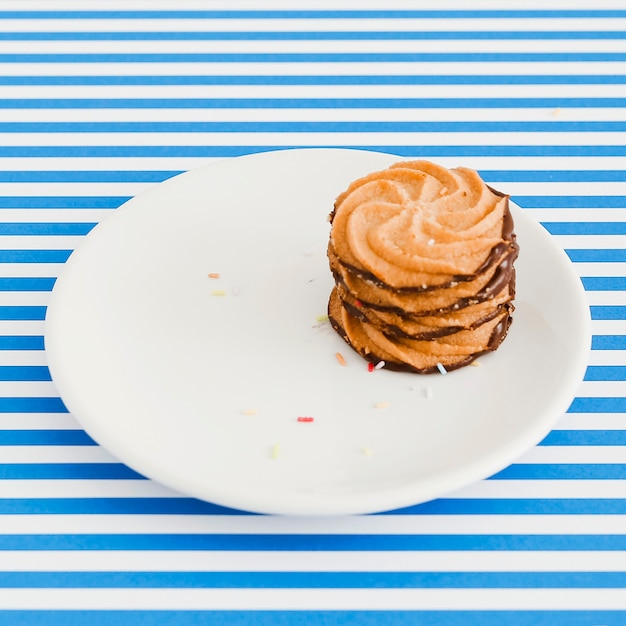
{"x": 21, "y": 342}
{"x": 72, "y": 437}
{"x": 596, "y": 255}
{"x": 606, "y": 372}
{"x": 494, "y": 176}
{"x": 107, "y": 506}
{"x": 46, "y": 228}
{"x": 308, "y": 35}
{"x": 571, "y": 202}
{"x": 608, "y": 312}
{"x": 27, "y": 313}
{"x": 190, "y": 506}
{"x": 585, "y": 228}
{"x": 314, "y": 14}
{"x": 26, "y": 284}
{"x": 216, "y": 151}
{"x": 263, "y": 617}
{"x": 564, "y": 471}
{"x": 604, "y": 283}
{"x": 23, "y": 373}
{"x": 61, "y": 202}
{"x": 66, "y": 471}
{"x": 310, "y": 103}
{"x": 598, "y": 405}
{"x": 311, "y": 580}
{"x": 32, "y": 405}
{"x": 555, "y": 176}
{"x": 278, "y": 79}
{"x": 330, "y": 543}
{"x": 586, "y": 438}
{"x": 319, "y": 57}
{"x": 84, "y": 176}
{"x": 608, "y": 342}
{"x": 34, "y": 256}
{"x": 315, "y": 127}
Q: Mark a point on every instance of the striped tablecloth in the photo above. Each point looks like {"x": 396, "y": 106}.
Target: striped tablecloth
{"x": 100, "y": 100}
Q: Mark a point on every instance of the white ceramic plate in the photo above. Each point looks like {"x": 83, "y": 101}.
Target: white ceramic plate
{"x": 161, "y": 371}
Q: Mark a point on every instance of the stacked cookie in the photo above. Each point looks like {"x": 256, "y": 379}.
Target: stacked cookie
{"x": 423, "y": 261}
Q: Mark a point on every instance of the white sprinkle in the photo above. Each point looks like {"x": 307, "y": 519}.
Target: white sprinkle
{"x": 308, "y": 253}
{"x": 381, "y": 405}
{"x": 428, "y": 392}
{"x": 235, "y": 290}
{"x": 413, "y": 388}
{"x": 441, "y": 368}
{"x": 367, "y": 451}
{"x": 431, "y": 242}
{"x": 379, "y": 365}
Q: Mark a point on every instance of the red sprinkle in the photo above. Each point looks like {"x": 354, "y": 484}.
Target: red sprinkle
{"x": 370, "y": 367}
{"x": 357, "y": 304}
{"x": 306, "y": 419}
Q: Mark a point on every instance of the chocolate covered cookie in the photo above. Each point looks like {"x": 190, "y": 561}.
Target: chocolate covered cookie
{"x": 423, "y": 261}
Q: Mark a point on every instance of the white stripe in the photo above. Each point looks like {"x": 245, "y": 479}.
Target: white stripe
{"x": 22, "y": 357}
{"x": 315, "y": 599}
{"x": 279, "y": 561}
{"x": 33, "y": 270}
{"x": 592, "y": 421}
{"x": 418, "y": 91}
{"x": 452, "y": 68}
{"x": 338, "y": 46}
{"x": 607, "y": 357}
{"x": 26, "y": 389}
{"x": 607, "y": 327}
{"x": 56, "y": 454}
{"x": 606, "y": 298}
{"x": 8, "y": 327}
{"x": 324, "y": 139}
{"x": 47, "y": 421}
{"x": 603, "y": 389}
{"x": 413, "y": 525}
{"x": 574, "y": 454}
{"x": 38, "y": 242}
{"x": 182, "y": 163}
{"x": 546, "y": 24}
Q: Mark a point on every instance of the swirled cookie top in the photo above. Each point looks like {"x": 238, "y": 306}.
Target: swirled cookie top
{"x": 417, "y": 222}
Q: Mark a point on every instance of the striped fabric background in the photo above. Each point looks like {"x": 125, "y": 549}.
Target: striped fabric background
{"x": 99, "y": 101}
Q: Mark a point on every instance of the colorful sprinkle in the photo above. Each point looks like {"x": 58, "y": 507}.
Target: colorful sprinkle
{"x": 340, "y": 359}
{"x": 370, "y": 367}
{"x": 214, "y": 275}
{"x": 441, "y": 368}
{"x": 358, "y": 304}
{"x": 475, "y": 363}
{"x": 379, "y": 365}
{"x": 381, "y": 405}
{"x": 322, "y": 318}
{"x": 367, "y": 451}
{"x": 306, "y": 419}
{"x": 275, "y": 451}
{"x": 218, "y": 292}
{"x": 249, "y": 412}
{"x": 428, "y": 392}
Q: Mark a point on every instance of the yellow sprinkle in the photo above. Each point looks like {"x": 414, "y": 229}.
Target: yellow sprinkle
{"x": 218, "y": 292}
{"x": 214, "y": 275}
{"x": 322, "y": 318}
{"x": 381, "y": 405}
{"x": 475, "y": 363}
{"x": 340, "y": 358}
{"x": 249, "y": 411}
{"x": 275, "y": 451}
{"x": 367, "y": 452}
